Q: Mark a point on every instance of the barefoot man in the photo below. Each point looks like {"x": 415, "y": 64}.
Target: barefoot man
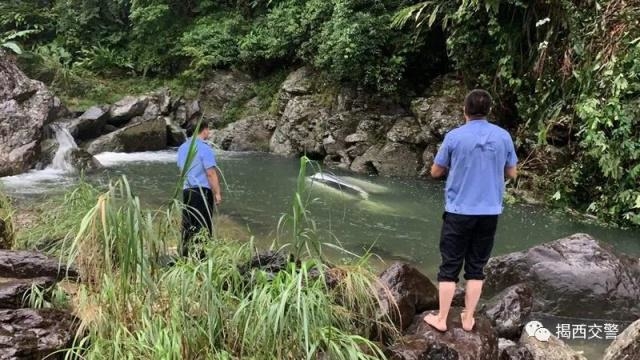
{"x": 476, "y": 157}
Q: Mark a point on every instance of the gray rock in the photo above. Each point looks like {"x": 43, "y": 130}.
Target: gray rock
{"x": 25, "y": 107}
{"x": 22, "y": 264}
{"x": 144, "y": 136}
{"x": 406, "y": 130}
{"x": 509, "y": 310}
{"x": 89, "y": 125}
{"x": 509, "y": 350}
{"x": 175, "y": 134}
{"x": 194, "y": 111}
{"x": 424, "y": 342}
{"x": 405, "y": 292}
{"x": 151, "y": 112}
{"x": 252, "y": 133}
{"x": 575, "y": 276}
{"x": 392, "y": 159}
{"x": 180, "y": 115}
{"x": 83, "y": 161}
{"x": 221, "y": 88}
{"x": 301, "y": 129}
{"x": 126, "y": 109}
{"x": 553, "y": 349}
{"x": 626, "y": 346}
{"x": 356, "y": 138}
{"x": 298, "y": 82}
{"x": 13, "y": 293}
{"x": 442, "y": 110}
{"x": 35, "y": 333}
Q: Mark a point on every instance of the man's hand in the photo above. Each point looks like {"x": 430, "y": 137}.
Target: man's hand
{"x": 511, "y": 172}
{"x": 212, "y": 176}
{"x": 438, "y": 171}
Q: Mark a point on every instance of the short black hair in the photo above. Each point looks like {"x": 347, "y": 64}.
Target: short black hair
{"x": 477, "y": 103}
{"x": 191, "y": 127}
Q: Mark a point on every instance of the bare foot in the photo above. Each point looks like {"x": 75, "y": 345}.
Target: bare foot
{"x": 434, "y": 321}
{"x": 468, "y": 322}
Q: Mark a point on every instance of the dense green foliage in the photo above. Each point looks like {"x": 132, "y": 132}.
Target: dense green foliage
{"x": 564, "y": 73}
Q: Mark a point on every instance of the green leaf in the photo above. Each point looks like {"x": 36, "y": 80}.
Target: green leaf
{"x": 12, "y": 46}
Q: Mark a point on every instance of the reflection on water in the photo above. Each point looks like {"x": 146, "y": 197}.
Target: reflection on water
{"x": 400, "y": 219}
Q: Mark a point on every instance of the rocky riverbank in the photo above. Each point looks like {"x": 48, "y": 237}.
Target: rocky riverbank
{"x": 405, "y": 296}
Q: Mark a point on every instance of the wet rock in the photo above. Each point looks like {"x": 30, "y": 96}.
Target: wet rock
{"x": 25, "y": 107}
{"x": 391, "y": 159}
{"x": 126, "y": 109}
{"x": 83, "y": 161}
{"x": 175, "y": 134}
{"x": 574, "y": 276}
{"x": 252, "y": 133}
{"x": 13, "y": 293}
{"x": 269, "y": 261}
{"x": 90, "y": 124}
{"x": 509, "y": 350}
{"x": 30, "y": 264}
{"x": 422, "y": 342}
{"x": 509, "y": 310}
{"x": 626, "y": 346}
{"x": 143, "y": 136}
{"x": 58, "y": 110}
{"x": 553, "y": 349}
{"x": 35, "y": 334}
{"x": 405, "y": 292}
{"x": 194, "y": 111}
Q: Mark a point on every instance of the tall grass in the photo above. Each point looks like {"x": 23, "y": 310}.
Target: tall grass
{"x": 134, "y": 308}
{"x": 6, "y": 222}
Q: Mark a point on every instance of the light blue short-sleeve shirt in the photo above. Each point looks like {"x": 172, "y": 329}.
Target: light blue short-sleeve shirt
{"x": 204, "y": 158}
{"x": 476, "y": 155}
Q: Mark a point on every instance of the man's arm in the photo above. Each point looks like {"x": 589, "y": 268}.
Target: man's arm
{"x": 511, "y": 172}
{"x": 212, "y": 177}
{"x": 438, "y": 171}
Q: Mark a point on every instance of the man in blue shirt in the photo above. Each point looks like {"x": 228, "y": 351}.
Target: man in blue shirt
{"x": 476, "y": 157}
{"x": 201, "y": 189}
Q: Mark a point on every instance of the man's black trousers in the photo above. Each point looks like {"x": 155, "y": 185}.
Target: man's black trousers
{"x": 196, "y": 215}
{"x": 465, "y": 239}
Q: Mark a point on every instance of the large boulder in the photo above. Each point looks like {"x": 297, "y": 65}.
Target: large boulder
{"x": 141, "y": 136}
{"x": 35, "y": 333}
{"x": 509, "y": 310}
{"x": 576, "y": 276}
{"x": 301, "y": 128}
{"x": 20, "y": 264}
{"x": 82, "y": 161}
{"x": 390, "y": 159}
{"x": 13, "y": 293}
{"x": 90, "y": 124}
{"x": 25, "y": 107}
{"x": 422, "y": 342}
{"x": 552, "y": 349}
{"x": 626, "y": 346}
{"x": 405, "y": 292}
{"x": 252, "y": 133}
{"x": 126, "y": 109}
{"x": 298, "y": 82}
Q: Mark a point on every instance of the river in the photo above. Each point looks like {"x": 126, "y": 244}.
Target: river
{"x": 400, "y": 219}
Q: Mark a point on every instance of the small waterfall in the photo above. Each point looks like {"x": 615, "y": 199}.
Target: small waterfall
{"x": 66, "y": 143}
